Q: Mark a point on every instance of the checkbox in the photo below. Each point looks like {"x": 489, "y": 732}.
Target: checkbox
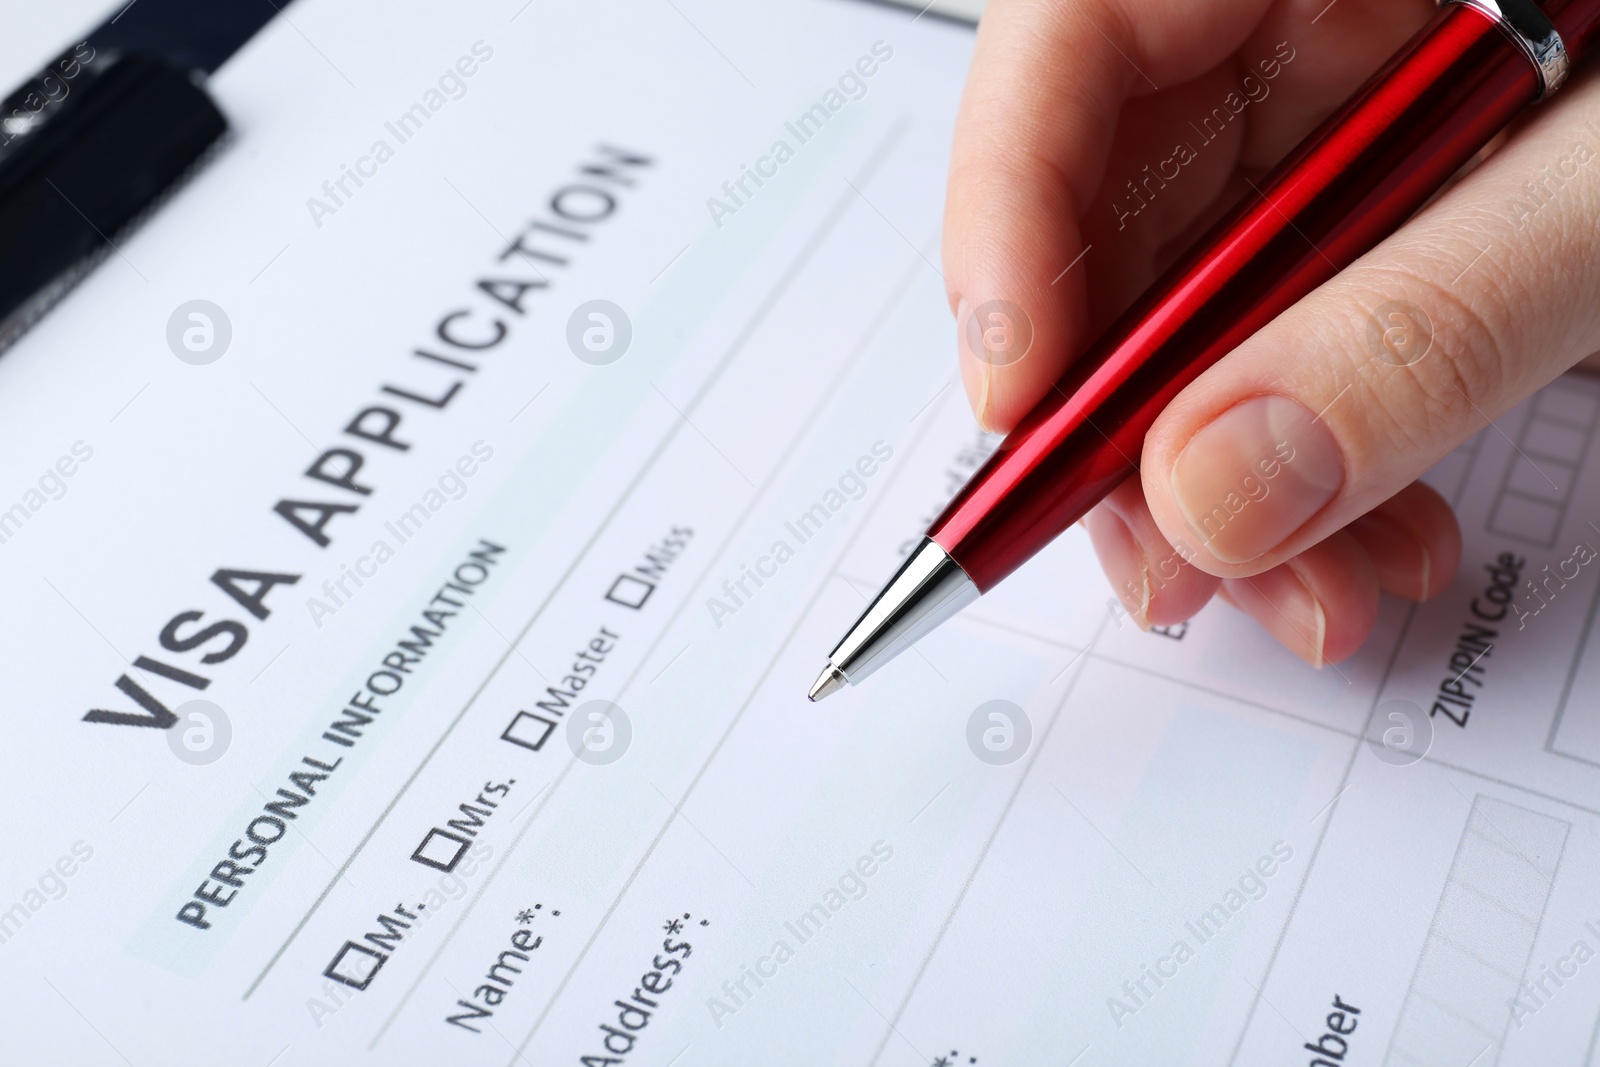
{"x": 630, "y": 592}
{"x": 529, "y": 730}
{"x": 355, "y": 965}
{"x": 441, "y": 850}
{"x": 1533, "y": 521}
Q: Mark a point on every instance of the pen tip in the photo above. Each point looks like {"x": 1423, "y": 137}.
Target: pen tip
{"x": 829, "y": 681}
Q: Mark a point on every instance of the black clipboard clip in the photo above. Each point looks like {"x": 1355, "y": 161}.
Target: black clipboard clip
{"x": 88, "y": 147}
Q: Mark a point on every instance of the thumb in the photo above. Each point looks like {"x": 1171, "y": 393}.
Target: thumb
{"x": 1352, "y": 394}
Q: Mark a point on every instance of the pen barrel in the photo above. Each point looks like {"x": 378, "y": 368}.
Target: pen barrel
{"x": 1350, "y": 184}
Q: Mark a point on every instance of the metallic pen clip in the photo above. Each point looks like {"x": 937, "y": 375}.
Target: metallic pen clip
{"x": 1527, "y": 24}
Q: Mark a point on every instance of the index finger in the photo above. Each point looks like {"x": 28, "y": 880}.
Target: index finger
{"x": 1037, "y": 119}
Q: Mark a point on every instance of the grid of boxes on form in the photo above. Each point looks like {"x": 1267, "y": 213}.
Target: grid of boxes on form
{"x": 1531, "y": 503}
{"x": 1481, "y": 938}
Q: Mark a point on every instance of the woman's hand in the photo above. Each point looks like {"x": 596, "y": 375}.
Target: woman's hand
{"x": 1098, "y": 138}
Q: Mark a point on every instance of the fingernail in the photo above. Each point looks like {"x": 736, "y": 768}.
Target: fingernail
{"x": 1123, "y": 561}
{"x": 977, "y": 376}
{"x": 1401, "y": 558}
{"x": 1255, "y": 475}
{"x": 1285, "y": 607}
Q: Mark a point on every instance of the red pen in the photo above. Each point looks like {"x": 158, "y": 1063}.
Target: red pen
{"x": 1350, "y": 184}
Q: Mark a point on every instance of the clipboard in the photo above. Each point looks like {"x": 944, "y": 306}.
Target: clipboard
{"x": 100, "y": 137}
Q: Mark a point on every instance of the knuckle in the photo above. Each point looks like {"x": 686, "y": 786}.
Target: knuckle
{"x": 1458, "y": 354}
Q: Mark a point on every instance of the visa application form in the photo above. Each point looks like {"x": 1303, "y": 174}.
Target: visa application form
{"x": 419, "y": 537}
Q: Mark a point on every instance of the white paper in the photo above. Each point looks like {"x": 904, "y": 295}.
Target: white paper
{"x": 753, "y": 879}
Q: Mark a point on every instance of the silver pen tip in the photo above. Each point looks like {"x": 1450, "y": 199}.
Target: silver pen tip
{"x": 829, "y": 681}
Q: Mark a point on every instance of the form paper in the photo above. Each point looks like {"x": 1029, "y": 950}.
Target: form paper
{"x": 419, "y": 537}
